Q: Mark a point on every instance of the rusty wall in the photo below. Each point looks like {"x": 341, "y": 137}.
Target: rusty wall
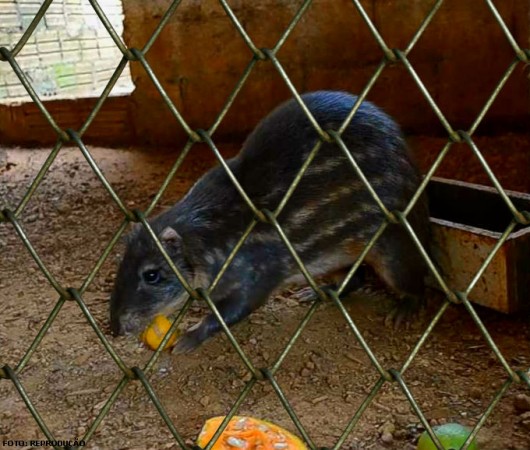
{"x": 199, "y": 57}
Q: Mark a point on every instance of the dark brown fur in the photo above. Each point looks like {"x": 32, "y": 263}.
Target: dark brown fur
{"x": 329, "y": 219}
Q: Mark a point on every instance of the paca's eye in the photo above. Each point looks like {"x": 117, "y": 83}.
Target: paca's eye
{"x": 151, "y": 276}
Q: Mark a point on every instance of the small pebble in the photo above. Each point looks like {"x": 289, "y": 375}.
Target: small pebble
{"x": 475, "y": 393}
{"x": 319, "y": 399}
{"x": 387, "y": 438}
{"x": 526, "y": 424}
{"x": 387, "y": 427}
{"x": 525, "y": 416}
{"x": 305, "y": 372}
{"x": 522, "y": 403}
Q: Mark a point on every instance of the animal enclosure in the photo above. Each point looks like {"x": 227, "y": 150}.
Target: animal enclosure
{"x": 329, "y": 371}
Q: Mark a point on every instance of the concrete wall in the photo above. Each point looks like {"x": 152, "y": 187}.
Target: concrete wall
{"x": 199, "y": 57}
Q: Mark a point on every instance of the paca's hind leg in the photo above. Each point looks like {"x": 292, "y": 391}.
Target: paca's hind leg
{"x": 399, "y": 264}
{"x": 307, "y": 294}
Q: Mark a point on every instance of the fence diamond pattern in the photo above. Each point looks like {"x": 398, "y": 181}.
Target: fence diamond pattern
{"x": 202, "y": 294}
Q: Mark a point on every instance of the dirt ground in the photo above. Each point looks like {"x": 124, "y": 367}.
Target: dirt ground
{"x": 326, "y": 375}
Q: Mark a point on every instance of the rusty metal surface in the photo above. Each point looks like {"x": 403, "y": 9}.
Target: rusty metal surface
{"x": 460, "y": 247}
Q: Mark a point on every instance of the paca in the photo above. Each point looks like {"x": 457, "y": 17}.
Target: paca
{"x": 329, "y": 219}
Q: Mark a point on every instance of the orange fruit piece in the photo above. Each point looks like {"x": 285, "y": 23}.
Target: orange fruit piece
{"x": 248, "y": 433}
{"x": 155, "y": 332}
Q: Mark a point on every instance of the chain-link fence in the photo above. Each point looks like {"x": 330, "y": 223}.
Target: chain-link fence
{"x": 389, "y": 56}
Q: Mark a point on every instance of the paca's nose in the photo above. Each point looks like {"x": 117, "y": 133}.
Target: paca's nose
{"x": 126, "y": 323}
{"x": 114, "y": 320}
{"x": 120, "y": 322}
{"x": 120, "y": 325}
{"x": 116, "y": 327}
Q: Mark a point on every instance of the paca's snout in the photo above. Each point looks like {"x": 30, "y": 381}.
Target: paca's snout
{"x": 121, "y": 322}
{"x": 117, "y": 328}
{"x": 124, "y": 324}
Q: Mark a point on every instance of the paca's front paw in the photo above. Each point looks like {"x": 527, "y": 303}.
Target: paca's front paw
{"x": 187, "y": 343}
{"x": 192, "y": 338}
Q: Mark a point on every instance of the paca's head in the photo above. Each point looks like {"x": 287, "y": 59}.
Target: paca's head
{"x": 145, "y": 284}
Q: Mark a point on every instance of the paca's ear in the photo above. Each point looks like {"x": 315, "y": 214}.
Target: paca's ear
{"x": 170, "y": 237}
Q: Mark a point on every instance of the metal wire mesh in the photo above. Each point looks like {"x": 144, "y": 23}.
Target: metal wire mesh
{"x": 260, "y": 56}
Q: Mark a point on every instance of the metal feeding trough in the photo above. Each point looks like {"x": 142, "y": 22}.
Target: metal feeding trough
{"x": 467, "y": 221}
